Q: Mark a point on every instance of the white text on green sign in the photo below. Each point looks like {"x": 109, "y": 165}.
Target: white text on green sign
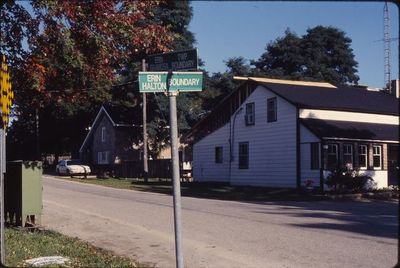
{"x": 175, "y": 81}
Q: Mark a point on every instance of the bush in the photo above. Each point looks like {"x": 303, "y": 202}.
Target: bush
{"x": 347, "y": 180}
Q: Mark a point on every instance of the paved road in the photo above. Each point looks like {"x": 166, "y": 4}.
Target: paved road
{"x": 225, "y": 233}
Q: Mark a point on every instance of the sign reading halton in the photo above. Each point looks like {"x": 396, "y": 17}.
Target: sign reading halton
{"x": 175, "y": 81}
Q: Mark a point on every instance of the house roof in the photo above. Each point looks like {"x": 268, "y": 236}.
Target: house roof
{"x": 343, "y": 98}
{"x": 285, "y": 82}
{"x": 332, "y": 129}
{"x": 302, "y": 94}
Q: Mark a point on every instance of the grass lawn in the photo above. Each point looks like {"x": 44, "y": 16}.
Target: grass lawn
{"x": 109, "y": 182}
{"x": 203, "y": 190}
{"x": 22, "y": 245}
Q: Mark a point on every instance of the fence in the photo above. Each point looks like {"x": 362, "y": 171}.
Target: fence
{"x": 160, "y": 168}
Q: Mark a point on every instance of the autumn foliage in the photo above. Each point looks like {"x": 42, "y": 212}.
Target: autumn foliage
{"x": 66, "y": 55}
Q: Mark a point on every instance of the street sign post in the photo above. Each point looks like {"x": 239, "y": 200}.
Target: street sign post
{"x": 174, "y": 61}
{"x": 170, "y": 82}
{"x": 6, "y": 98}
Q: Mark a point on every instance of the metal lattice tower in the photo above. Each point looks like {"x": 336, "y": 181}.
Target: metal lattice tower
{"x": 386, "y": 41}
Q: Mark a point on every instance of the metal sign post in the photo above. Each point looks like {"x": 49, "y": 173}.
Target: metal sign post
{"x": 172, "y": 83}
{"x": 176, "y": 178}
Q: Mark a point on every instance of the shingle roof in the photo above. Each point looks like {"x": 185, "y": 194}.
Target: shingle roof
{"x": 344, "y": 98}
{"x": 351, "y": 130}
{"x": 122, "y": 115}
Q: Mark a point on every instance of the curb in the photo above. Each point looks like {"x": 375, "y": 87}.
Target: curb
{"x": 388, "y": 196}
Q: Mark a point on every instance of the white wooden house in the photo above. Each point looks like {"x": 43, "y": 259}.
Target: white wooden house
{"x": 280, "y": 133}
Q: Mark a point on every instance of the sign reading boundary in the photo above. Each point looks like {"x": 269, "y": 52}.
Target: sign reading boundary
{"x": 152, "y": 82}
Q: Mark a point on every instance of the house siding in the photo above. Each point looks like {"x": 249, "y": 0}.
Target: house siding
{"x": 204, "y": 166}
{"x": 272, "y": 145}
{"x": 306, "y": 138}
{"x": 108, "y": 145}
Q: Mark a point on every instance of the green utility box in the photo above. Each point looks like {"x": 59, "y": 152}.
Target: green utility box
{"x": 23, "y": 193}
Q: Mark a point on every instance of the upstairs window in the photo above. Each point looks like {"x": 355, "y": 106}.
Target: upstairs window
{"x": 348, "y": 155}
{"x": 103, "y": 134}
{"x": 218, "y": 155}
{"x": 271, "y": 110}
{"x": 377, "y": 157}
{"x": 250, "y": 114}
{"x": 362, "y": 156}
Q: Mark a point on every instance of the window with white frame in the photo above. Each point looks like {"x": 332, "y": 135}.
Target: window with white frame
{"x": 103, "y": 134}
{"x": 348, "y": 155}
{"x": 332, "y": 156}
{"x": 362, "y": 156}
{"x": 102, "y": 158}
{"x": 377, "y": 156}
{"x": 250, "y": 114}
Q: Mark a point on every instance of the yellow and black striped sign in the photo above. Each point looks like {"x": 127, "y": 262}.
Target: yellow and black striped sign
{"x": 7, "y": 95}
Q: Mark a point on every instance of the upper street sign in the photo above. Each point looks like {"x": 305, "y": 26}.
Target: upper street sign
{"x": 176, "y": 81}
{"x": 173, "y": 61}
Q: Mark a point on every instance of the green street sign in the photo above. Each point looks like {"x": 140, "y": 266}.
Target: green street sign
{"x": 175, "y": 81}
{"x": 183, "y": 60}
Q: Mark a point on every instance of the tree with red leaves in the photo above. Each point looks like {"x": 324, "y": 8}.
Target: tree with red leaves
{"x": 66, "y": 55}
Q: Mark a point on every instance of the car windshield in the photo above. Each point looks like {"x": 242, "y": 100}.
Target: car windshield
{"x": 74, "y": 162}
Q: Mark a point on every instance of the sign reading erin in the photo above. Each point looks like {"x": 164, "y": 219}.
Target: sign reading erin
{"x": 174, "y": 61}
{"x": 176, "y": 81}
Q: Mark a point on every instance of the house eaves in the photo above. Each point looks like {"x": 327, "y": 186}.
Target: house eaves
{"x": 351, "y": 131}
{"x": 285, "y": 82}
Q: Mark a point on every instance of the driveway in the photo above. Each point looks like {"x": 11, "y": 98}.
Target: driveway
{"x": 225, "y": 233}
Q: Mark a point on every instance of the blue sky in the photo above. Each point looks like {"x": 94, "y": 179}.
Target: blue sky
{"x": 231, "y": 29}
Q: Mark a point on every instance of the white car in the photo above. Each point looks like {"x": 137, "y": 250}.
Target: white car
{"x": 72, "y": 167}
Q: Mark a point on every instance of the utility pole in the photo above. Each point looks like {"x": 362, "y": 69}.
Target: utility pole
{"x": 144, "y": 106}
{"x": 38, "y": 156}
{"x": 386, "y": 40}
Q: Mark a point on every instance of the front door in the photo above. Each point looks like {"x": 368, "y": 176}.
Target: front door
{"x": 393, "y": 164}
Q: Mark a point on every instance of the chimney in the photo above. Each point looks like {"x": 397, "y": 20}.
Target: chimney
{"x": 395, "y": 86}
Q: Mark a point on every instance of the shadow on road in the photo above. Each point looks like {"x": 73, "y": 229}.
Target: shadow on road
{"x": 379, "y": 219}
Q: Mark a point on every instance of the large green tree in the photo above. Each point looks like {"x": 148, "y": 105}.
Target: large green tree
{"x": 322, "y": 54}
